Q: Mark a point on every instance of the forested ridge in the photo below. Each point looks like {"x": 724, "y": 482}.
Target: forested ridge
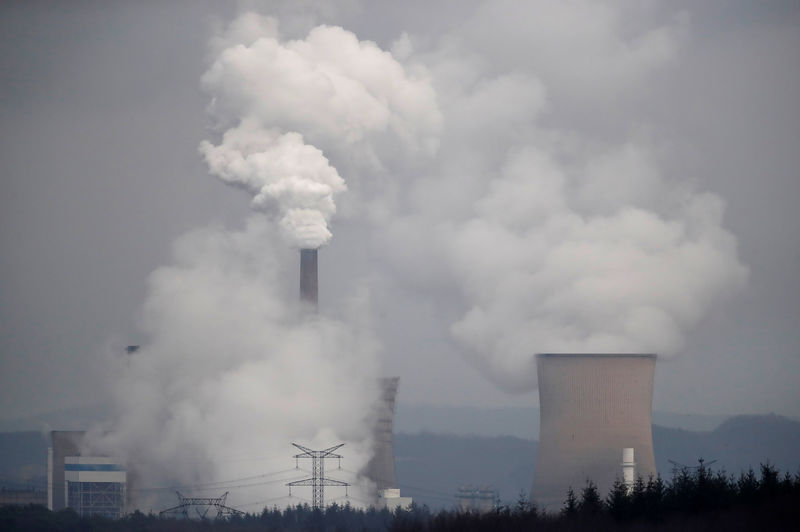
{"x": 696, "y": 498}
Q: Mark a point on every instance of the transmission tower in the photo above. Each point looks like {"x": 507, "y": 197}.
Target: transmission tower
{"x": 677, "y": 466}
{"x": 206, "y": 503}
{"x": 317, "y": 480}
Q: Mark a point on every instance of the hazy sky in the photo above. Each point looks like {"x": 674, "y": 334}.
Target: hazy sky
{"x": 102, "y": 113}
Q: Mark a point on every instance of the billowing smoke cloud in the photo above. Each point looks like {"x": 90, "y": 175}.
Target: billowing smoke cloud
{"x": 233, "y": 372}
{"x": 337, "y": 91}
{"x": 230, "y": 377}
{"x": 553, "y": 239}
{"x": 285, "y": 175}
{"x": 546, "y": 273}
{"x": 536, "y": 227}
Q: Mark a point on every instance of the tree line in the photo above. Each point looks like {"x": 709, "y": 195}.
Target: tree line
{"x": 693, "y": 499}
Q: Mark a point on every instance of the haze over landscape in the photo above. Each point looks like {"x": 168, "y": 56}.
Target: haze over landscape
{"x": 485, "y": 181}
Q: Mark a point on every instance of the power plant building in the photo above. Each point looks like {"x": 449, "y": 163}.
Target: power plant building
{"x": 596, "y": 410}
{"x": 90, "y": 485}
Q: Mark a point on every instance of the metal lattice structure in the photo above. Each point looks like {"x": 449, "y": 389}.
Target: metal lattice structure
{"x": 105, "y": 499}
{"x": 318, "y": 480}
{"x": 198, "y": 503}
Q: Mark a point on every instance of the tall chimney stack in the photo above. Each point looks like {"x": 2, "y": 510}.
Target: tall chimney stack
{"x": 308, "y": 277}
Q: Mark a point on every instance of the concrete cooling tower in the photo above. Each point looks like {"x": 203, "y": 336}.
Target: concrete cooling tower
{"x": 380, "y": 468}
{"x": 592, "y": 407}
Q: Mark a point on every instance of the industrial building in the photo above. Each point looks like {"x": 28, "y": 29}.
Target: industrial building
{"x": 596, "y": 411}
{"x": 391, "y": 500}
{"x": 90, "y": 485}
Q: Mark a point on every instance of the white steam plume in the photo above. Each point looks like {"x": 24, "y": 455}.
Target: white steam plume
{"x": 230, "y": 378}
{"x": 551, "y": 239}
{"x": 543, "y": 274}
{"x": 233, "y": 372}
{"x": 337, "y": 91}
{"x": 284, "y": 174}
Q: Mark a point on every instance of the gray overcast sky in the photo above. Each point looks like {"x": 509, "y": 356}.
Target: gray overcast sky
{"x": 101, "y": 114}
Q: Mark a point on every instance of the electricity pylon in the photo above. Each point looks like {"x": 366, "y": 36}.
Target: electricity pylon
{"x": 206, "y": 503}
{"x": 318, "y": 480}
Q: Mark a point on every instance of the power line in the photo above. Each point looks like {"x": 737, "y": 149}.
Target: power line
{"x": 216, "y": 484}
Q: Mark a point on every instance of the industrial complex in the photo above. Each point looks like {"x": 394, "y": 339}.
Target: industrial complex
{"x": 90, "y": 485}
{"x": 595, "y": 425}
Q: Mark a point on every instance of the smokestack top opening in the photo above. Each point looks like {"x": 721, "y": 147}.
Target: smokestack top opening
{"x": 596, "y": 355}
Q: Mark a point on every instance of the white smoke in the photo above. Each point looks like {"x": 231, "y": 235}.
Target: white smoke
{"x": 544, "y": 275}
{"x": 336, "y": 90}
{"x": 543, "y": 235}
{"x": 231, "y": 376}
{"x": 285, "y": 175}
{"x": 233, "y": 372}
{"x": 554, "y": 240}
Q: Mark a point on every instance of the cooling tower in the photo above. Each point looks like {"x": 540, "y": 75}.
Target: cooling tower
{"x": 380, "y": 468}
{"x": 592, "y": 407}
{"x": 308, "y": 277}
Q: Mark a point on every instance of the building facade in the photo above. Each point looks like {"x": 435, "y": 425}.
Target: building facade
{"x": 90, "y": 485}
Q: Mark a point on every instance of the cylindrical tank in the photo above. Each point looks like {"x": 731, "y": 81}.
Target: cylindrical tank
{"x": 591, "y": 406}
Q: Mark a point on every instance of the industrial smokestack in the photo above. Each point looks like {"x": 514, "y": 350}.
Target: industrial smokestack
{"x": 308, "y": 277}
{"x": 591, "y": 406}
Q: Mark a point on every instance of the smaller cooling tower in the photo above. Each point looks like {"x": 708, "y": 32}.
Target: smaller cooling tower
{"x": 308, "y": 277}
{"x": 592, "y": 406}
{"x": 380, "y": 468}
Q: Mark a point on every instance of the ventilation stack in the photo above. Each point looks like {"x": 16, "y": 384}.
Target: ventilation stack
{"x": 628, "y": 467}
{"x": 308, "y": 277}
{"x": 591, "y": 406}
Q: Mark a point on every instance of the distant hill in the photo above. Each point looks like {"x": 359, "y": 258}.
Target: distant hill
{"x": 78, "y": 418}
{"x": 522, "y": 422}
{"x": 737, "y": 444}
{"x": 511, "y": 421}
{"x": 430, "y": 467}
{"x": 23, "y": 460}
